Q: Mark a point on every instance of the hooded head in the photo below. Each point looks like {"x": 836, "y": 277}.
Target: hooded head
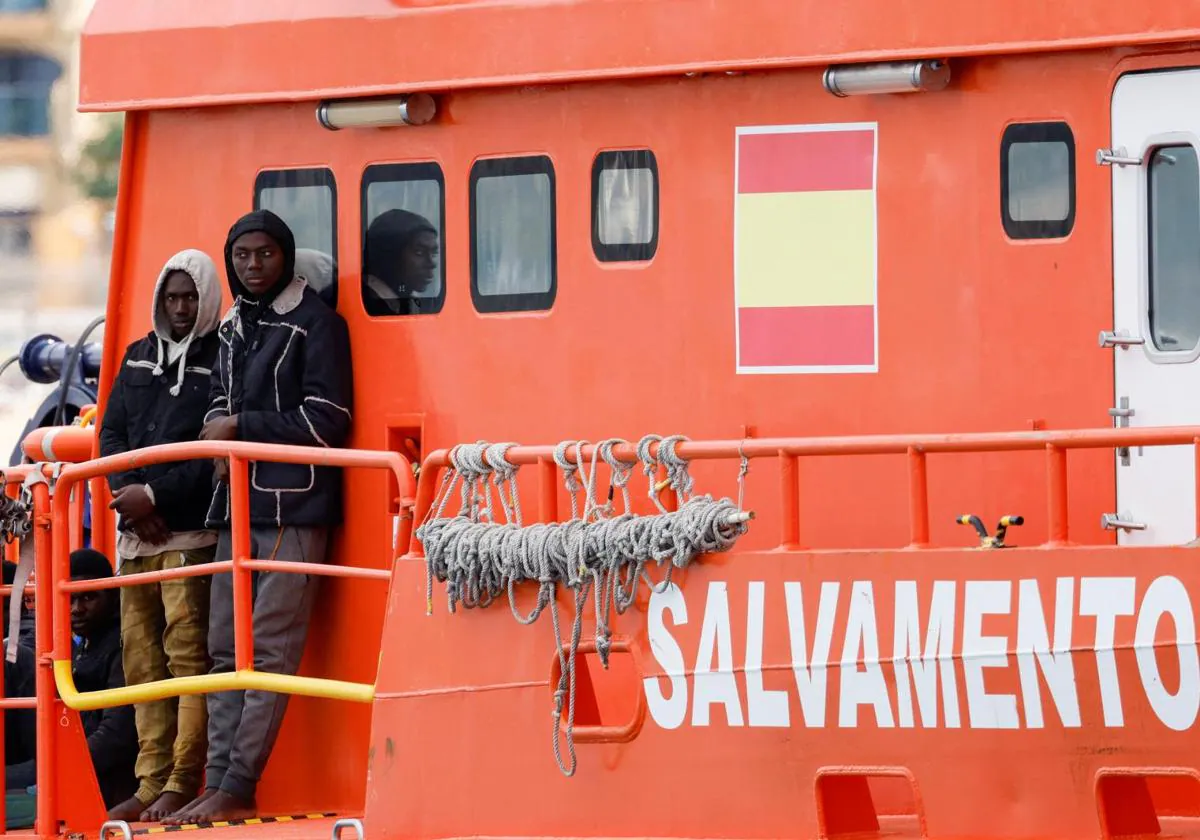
{"x": 173, "y": 306}
{"x": 402, "y": 250}
{"x": 264, "y": 261}
{"x": 317, "y": 269}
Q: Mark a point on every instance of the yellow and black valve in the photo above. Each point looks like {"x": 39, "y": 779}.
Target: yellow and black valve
{"x": 987, "y": 540}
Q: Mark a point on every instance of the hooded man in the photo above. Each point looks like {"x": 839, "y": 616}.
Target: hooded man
{"x": 399, "y": 264}
{"x": 283, "y": 376}
{"x": 160, "y": 396}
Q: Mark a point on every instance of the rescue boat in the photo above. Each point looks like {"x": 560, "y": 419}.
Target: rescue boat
{"x": 862, "y": 281}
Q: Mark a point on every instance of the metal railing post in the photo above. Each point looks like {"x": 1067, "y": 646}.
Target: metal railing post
{"x": 44, "y": 620}
{"x": 1056, "y": 494}
{"x": 243, "y": 585}
{"x": 789, "y": 491}
{"x": 918, "y": 499}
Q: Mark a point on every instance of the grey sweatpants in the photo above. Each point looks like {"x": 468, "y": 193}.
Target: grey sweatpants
{"x": 243, "y": 725}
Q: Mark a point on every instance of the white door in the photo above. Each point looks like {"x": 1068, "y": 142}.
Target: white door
{"x": 1155, "y": 338}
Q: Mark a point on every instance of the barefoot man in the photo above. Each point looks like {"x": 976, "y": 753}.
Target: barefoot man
{"x": 283, "y": 376}
{"x": 160, "y": 396}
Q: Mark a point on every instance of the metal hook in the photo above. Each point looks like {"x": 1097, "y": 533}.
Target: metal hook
{"x": 116, "y": 826}
{"x": 338, "y": 826}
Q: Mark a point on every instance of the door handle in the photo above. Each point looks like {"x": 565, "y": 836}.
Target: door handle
{"x": 1119, "y": 338}
{"x": 1119, "y": 522}
{"x": 1118, "y": 156}
{"x": 1120, "y": 414}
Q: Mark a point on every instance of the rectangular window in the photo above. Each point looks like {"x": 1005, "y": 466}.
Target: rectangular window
{"x": 513, "y": 247}
{"x": 307, "y": 200}
{"x": 1173, "y": 194}
{"x": 1037, "y": 180}
{"x": 625, "y": 206}
{"x": 404, "y": 219}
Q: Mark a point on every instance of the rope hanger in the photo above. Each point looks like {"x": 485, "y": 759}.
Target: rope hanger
{"x": 597, "y": 554}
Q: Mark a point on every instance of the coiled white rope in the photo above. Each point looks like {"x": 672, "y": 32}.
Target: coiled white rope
{"x": 596, "y": 554}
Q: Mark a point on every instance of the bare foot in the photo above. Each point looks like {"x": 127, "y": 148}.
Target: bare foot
{"x": 127, "y": 811}
{"x": 163, "y": 807}
{"x": 180, "y": 816}
{"x": 220, "y": 807}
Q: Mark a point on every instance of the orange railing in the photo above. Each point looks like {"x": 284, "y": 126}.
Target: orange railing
{"x": 14, "y": 477}
{"x": 789, "y": 451}
{"x": 241, "y": 566}
{"x": 55, "y": 534}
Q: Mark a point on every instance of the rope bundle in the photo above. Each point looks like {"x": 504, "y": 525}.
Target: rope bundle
{"x": 15, "y": 514}
{"x": 595, "y": 554}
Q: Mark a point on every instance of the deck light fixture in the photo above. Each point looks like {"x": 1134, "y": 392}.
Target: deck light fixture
{"x": 412, "y": 109}
{"x": 887, "y": 77}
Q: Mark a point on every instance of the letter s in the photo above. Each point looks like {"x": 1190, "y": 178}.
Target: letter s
{"x": 668, "y": 712}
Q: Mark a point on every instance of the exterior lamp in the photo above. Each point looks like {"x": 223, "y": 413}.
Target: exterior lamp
{"x": 413, "y": 109}
{"x": 887, "y": 77}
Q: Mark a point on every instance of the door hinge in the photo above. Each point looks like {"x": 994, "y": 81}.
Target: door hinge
{"x": 1121, "y": 416}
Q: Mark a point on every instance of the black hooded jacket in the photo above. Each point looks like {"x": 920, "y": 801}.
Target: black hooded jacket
{"x": 154, "y": 402}
{"x": 284, "y": 371}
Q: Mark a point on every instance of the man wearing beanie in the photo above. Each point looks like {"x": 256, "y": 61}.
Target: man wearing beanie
{"x": 283, "y": 376}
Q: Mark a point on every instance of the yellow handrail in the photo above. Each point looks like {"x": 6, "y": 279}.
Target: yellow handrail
{"x": 205, "y": 684}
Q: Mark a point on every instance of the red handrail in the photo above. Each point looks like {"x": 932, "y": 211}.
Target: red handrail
{"x": 790, "y": 450}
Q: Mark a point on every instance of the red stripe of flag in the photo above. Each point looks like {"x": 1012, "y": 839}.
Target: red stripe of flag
{"x": 805, "y": 161}
{"x": 795, "y": 336}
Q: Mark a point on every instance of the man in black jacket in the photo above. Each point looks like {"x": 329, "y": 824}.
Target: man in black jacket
{"x": 283, "y": 376}
{"x": 96, "y": 665}
{"x": 160, "y": 396}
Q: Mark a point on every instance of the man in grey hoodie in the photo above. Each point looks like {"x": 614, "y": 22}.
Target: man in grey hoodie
{"x": 160, "y": 396}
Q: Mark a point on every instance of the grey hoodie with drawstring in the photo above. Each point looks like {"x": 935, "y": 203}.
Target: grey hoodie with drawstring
{"x": 160, "y": 396}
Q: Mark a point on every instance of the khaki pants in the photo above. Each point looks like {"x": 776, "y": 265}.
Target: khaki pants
{"x": 164, "y": 633}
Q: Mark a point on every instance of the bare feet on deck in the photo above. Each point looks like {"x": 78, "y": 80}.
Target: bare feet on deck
{"x": 214, "y": 806}
{"x": 163, "y": 807}
{"x": 180, "y": 816}
{"x": 128, "y": 811}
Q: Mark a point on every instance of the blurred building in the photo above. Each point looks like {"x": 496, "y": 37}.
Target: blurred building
{"x": 53, "y": 242}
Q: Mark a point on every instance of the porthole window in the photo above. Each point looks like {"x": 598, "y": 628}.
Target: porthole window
{"x": 1173, "y": 196}
{"x": 625, "y": 205}
{"x": 1037, "y": 180}
{"x": 403, "y": 239}
{"x": 307, "y": 200}
{"x": 513, "y": 247}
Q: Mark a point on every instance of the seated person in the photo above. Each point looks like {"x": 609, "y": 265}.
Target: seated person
{"x": 19, "y": 724}
{"x": 400, "y": 264}
{"x": 111, "y": 733}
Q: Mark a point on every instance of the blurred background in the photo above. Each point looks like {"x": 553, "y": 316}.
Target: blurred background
{"x": 58, "y": 184}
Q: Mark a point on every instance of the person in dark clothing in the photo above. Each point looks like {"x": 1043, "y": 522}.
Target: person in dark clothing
{"x": 283, "y": 376}
{"x": 160, "y": 396}
{"x": 20, "y": 725}
{"x": 96, "y": 665}
{"x": 400, "y": 261}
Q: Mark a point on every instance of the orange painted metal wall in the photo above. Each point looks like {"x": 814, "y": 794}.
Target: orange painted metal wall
{"x": 976, "y": 333}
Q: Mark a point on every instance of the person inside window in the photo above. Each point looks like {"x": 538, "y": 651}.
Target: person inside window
{"x": 160, "y": 396}
{"x": 96, "y": 665}
{"x": 283, "y": 376}
{"x": 400, "y": 263}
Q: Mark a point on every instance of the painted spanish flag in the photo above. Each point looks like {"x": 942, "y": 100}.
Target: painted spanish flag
{"x": 805, "y": 242}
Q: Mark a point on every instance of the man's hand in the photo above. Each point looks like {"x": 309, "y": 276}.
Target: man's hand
{"x": 222, "y": 428}
{"x": 132, "y": 502}
{"x": 152, "y": 529}
{"x": 221, "y": 469}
